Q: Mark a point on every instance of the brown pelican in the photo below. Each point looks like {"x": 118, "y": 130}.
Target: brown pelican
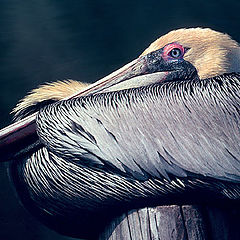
{"x": 162, "y": 129}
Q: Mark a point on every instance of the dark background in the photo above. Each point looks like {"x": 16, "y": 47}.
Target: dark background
{"x": 47, "y": 40}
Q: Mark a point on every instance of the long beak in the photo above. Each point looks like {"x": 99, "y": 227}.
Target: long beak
{"x": 136, "y": 73}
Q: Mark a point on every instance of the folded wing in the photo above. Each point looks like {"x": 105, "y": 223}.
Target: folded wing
{"x": 174, "y": 129}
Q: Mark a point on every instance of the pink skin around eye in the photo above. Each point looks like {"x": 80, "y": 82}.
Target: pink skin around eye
{"x": 168, "y": 48}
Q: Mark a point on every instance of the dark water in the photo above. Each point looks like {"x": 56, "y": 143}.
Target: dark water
{"x": 46, "y": 40}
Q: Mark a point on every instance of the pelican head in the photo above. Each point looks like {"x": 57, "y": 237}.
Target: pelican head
{"x": 212, "y": 53}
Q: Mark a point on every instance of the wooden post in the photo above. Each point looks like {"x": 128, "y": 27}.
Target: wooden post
{"x": 186, "y": 222}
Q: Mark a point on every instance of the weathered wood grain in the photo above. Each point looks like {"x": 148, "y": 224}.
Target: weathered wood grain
{"x": 187, "y": 222}
{"x": 169, "y": 222}
{"x": 194, "y": 222}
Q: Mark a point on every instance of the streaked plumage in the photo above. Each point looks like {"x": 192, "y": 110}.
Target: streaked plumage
{"x": 121, "y": 148}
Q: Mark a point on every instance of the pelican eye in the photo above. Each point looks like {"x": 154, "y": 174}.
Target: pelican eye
{"x": 175, "y": 53}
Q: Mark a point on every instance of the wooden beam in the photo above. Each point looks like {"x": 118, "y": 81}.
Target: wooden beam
{"x": 186, "y": 222}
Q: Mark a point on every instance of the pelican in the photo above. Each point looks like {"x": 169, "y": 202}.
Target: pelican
{"x": 164, "y": 128}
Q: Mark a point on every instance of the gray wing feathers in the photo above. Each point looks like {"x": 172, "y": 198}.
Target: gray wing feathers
{"x": 153, "y": 131}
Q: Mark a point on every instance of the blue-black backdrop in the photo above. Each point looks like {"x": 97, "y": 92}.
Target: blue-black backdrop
{"x": 48, "y": 40}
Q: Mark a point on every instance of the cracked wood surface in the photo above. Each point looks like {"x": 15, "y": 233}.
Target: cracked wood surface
{"x": 187, "y": 222}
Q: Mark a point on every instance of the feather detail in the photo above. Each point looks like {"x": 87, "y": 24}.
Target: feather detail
{"x": 45, "y": 94}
